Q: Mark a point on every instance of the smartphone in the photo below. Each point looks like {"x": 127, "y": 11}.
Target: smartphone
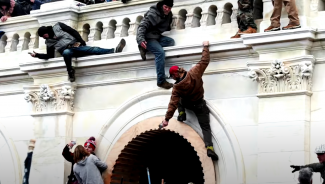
{"x": 30, "y": 53}
{"x": 73, "y": 142}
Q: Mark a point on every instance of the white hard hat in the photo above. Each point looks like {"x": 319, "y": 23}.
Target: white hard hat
{"x": 320, "y": 149}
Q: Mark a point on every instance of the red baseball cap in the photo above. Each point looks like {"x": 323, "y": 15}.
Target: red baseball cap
{"x": 173, "y": 70}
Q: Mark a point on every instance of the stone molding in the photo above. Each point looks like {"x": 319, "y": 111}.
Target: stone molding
{"x": 283, "y": 76}
{"x": 51, "y": 99}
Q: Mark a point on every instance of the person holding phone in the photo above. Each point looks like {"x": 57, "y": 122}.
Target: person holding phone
{"x": 90, "y": 146}
{"x": 69, "y": 43}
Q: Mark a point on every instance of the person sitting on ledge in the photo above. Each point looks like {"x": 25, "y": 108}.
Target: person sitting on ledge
{"x": 156, "y": 21}
{"x": 188, "y": 93}
{"x": 69, "y": 43}
{"x": 291, "y": 8}
{"x": 245, "y": 20}
{"x": 10, "y": 8}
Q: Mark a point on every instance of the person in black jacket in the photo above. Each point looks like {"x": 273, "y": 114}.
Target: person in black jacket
{"x": 69, "y": 43}
{"x": 9, "y": 8}
{"x": 156, "y": 21}
{"x": 90, "y": 146}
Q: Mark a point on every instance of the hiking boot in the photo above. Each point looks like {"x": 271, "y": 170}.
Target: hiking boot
{"x": 291, "y": 27}
{"x": 165, "y": 85}
{"x": 72, "y": 77}
{"x": 143, "y": 52}
{"x": 181, "y": 116}
{"x": 250, "y": 30}
{"x": 236, "y": 35}
{"x": 120, "y": 46}
{"x": 271, "y": 28}
{"x": 212, "y": 154}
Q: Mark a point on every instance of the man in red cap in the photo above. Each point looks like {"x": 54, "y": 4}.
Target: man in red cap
{"x": 188, "y": 93}
{"x": 156, "y": 21}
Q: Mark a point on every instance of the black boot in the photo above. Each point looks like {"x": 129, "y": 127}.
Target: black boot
{"x": 72, "y": 77}
{"x": 212, "y": 154}
{"x": 181, "y": 116}
{"x": 120, "y": 46}
{"x": 143, "y": 52}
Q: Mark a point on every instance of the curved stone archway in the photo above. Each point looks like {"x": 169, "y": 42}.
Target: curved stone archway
{"x": 180, "y": 128}
{"x": 11, "y": 174}
{"x": 230, "y": 167}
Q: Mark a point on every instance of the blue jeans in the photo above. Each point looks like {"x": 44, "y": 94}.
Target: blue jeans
{"x": 156, "y": 47}
{"x": 82, "y": 51}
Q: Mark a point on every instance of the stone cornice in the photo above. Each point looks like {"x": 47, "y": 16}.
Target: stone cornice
{"x": 287, "y": 93}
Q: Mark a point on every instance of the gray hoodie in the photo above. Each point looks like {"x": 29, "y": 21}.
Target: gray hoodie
{"x": 87, "y": 170}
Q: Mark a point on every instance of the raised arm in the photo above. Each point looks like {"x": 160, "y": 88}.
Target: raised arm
{"x": 200, "y": 67}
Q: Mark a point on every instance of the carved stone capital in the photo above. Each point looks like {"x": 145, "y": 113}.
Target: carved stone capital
{"x": 51, "y": 99}
{"x": 283, "y": 75}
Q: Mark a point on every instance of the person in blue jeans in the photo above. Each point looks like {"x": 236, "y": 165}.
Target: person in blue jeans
{"x": 156, "y": 21}
{"x": 69, "y": 43}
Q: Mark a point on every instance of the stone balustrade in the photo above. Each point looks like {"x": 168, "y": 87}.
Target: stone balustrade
{"x": 95, "y": 24}
{"x": 109, "y": 21}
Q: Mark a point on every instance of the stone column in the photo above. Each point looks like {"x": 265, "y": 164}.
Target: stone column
{"x": 283, "y": 116}
{"x": 31, "y": 43}
{"x": 105, "y": 32}
{"x": 133, "y": 28}
{"x": 233, "y": 18}
{"x": 189, "y": 19}
{"x": 219, "y": 18}
{"x": 204, "y": 19}
{"x": 8, "y": 46}
{"x": 118, "y": 30}
{"x": 52, "y": 112}
{"x": 174, "y": 22}
{"x": 20, "y": 44}
{"x": 91, "y": 34}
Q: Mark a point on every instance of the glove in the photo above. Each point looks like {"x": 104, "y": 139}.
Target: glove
{"x": 181, "y": 116}
{"x": 295, "y": 168}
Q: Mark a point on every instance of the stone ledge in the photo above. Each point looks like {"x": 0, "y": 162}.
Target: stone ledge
{"x": 287, "y": 93}
{"x": 130, "y": 59}
{"x": 279, "y": 36}
{"x": 58, "y": 113}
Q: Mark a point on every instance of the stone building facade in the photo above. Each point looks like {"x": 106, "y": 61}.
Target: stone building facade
{"x": 264, "y": 91}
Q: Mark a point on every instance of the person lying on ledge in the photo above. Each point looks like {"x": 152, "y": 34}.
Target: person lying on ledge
{"x": 69, "y": 43}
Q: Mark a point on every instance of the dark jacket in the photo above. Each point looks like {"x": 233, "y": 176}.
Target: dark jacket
{"x": 50, "y": 47}
{"x": 317, "y": 167}
{"x": 17, "y": 10}
{"x": 191, "y": 87}
{"x": 154, "y": 23}
{"x": 69, "y": 157}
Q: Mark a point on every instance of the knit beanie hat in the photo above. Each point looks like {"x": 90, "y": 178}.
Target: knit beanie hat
{"x": 41, "y": 31}
{"x": 169, "y": 3}
{"x": 91, "y": 143}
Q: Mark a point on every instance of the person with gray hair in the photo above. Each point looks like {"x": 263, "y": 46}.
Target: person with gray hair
{"x": 305, "y": 176}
